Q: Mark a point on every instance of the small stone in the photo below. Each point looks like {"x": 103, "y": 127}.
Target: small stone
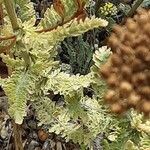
{"x": 52, "y": 144}
{"x": 24, "y": 125}
{"x": 42, "y": 135}
{"x": 97, "y": 143}
{"x": 3, "y": 103}
{"x": 58, "y": 146}
{"x": 46, "y": 145}
{"x": 58, "y": 138}
{"x": 32, "y": 124}
{"x": 32, "y": 145}
{"x": 38, "y": 148}
{"x": 34, "y": 135}
{"x": 4, "y": 132}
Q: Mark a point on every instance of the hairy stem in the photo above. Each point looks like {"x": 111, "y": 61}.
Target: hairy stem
{"x": 10, "y": 8}
{"x": 17, "y": 136}
{"x": 7, "y": 38}
{"x": 9, "y": 4}
{"x": 134, "y": 8}
{"x": 1, "y": 15}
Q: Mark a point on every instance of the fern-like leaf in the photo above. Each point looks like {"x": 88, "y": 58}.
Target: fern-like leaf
{"x": 74, "y": 28}
{"x": 65, "y": 84}
{"x": 145, "y": 142}
{"x": 26, "y": 10}
{"x": 100, "y": 57}
{"x": 11, "y": 62}
{"x": 16, "y": 88}
{"x": 46, "y": 110}
{"x": 53, "y": 18}
{"x": 130, "y": 146}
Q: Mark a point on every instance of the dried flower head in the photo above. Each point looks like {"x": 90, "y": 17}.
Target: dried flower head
{"x": 127, "y": 72}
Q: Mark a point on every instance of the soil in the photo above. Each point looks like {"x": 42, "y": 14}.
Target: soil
{"x": 34, "y": 137}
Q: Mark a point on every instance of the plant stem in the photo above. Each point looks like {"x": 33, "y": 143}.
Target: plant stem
{"x": 9, "y": 4}
{"x": 17, "y": 136}
{"x": 1, "y": 15}
{"x": 134, "y": 8}
{"x": 10, "y": 8}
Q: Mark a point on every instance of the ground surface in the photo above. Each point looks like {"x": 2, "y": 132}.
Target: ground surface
{"x": 34, "y": 137}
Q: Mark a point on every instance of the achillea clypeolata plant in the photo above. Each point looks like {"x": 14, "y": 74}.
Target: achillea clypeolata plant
{"x": 30, "y": 55}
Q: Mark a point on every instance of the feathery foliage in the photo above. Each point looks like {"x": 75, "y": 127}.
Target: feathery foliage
{"x": 16, "y": 88}
{"x": 24, "y": 9}
{"x": 79, "y": 54}
{"x": 35, "y": 72}
{"x": 99, "y": 57}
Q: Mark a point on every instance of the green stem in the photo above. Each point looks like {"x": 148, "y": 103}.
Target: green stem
{"x": 9, "y": 4}
{"x": 134, "y": 8}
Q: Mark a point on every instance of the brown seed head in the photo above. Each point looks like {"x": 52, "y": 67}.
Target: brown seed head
{"x": 128, "y": 74}
{"x": 116, "y": 108}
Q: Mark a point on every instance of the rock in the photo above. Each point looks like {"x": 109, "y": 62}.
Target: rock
{"x": 34, "y": 135}
{"x": 46, "y": 145}
{"x": 25, "y": 126}
{"x": 38, "y": 148}
{"x": 97, "y": 143}
{"x": 32, "y": 145}
{"x": 3, "y": 103}
{"x": 32, "y": 124}
{"x": 59, "y": 138}
{"x": 42, "y": 135}
{"x": 58, "y": 146}
{"x": 52, "y": 144}
{"x": 3, "y": 128}
{"x": 4, "y": 132}
{"x": 60, "y": 101}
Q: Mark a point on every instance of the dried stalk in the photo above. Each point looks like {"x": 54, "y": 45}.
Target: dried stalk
{"x": 134, "y": 8}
